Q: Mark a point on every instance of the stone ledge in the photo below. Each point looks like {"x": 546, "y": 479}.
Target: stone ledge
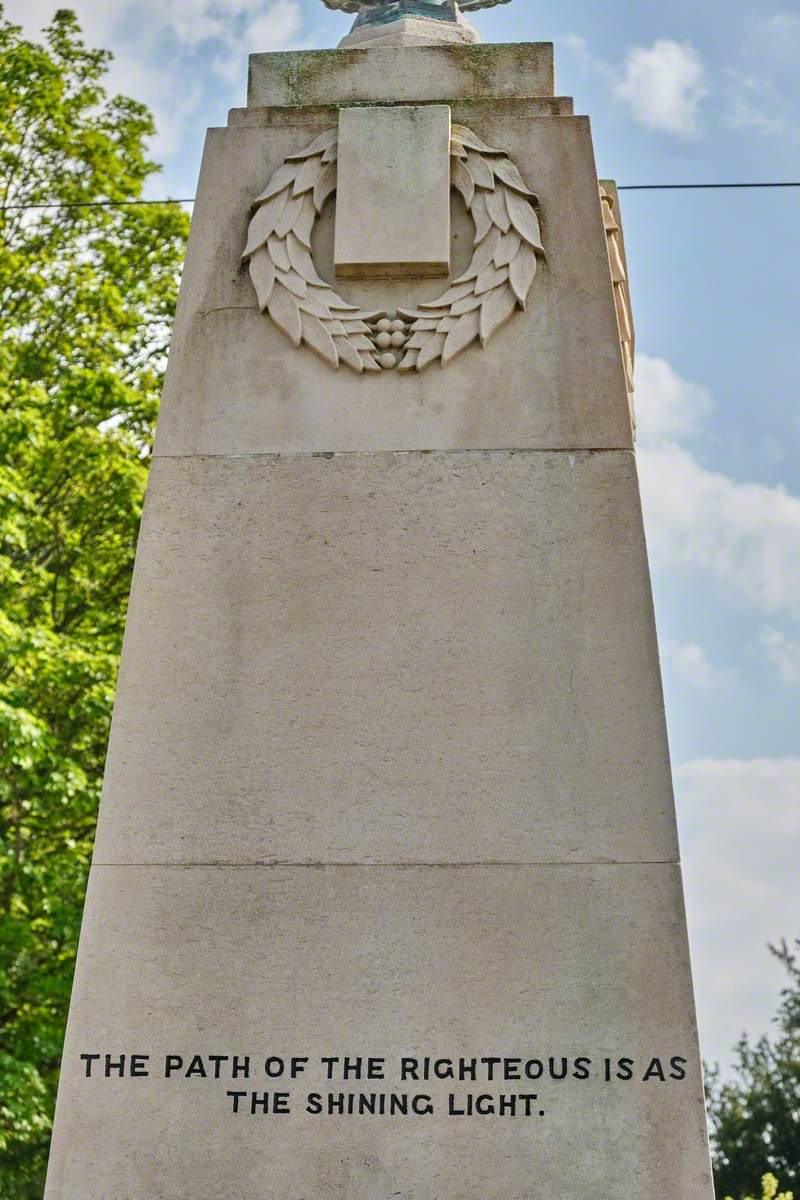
{"x": 280, "y": 116}
{"x": 396, "y": 74}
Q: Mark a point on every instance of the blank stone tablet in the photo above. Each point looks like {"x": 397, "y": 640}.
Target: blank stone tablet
{"x": 393, "y": 200}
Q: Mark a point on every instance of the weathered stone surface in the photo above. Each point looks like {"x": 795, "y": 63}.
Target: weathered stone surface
{"x": 393, "y": 198}
{"x": 390, "y": 658}
{"x": 388, "y": 771}
{"x": 398, "y": 75}
{"x": 552, "y": 378}
{"x": 507, "y": 961}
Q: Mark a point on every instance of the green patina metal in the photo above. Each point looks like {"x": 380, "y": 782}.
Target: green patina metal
{"x": 395, "y": 10}
{"x": 382, "y": 12}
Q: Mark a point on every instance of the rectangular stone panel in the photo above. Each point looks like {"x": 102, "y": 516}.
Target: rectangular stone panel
{"x": 390, "y": 658}
{"x": 393, "y": 197}
{"x": 414, "y": 74}
{"x": 531, "y": 963}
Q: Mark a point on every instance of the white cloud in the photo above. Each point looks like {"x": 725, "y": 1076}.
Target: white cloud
{"x": 579, "y": 46}
{"x": 740, "y": 831}
{"x": 667, "y": 406}
{"x": 664, "y": 85}
{"x": 163, "y": 48}
{"x": 746, "y": 536}
{"x": 188, "y": 22}
{"x": 96, "y": 16}
{"x": 784, "y": 27}
{"x": 755, "y": 105}
{"x": 693, "y": 665}
{"x": 782, "y": 652}
{"x": 276, "y": 29}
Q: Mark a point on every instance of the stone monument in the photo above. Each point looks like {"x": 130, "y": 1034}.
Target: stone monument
{"x": 386, "y": 898}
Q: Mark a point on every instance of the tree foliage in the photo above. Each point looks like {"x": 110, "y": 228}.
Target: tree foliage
{"x": 755, "y": 1116}
{"x": 770, "y": 1189}
{"x": 87, "y": 295}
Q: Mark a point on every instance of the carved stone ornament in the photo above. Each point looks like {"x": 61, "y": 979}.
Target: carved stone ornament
{"x": 619, "y": 279}
{"x": 308, "y": 310}
{"x": 360, "y": 6}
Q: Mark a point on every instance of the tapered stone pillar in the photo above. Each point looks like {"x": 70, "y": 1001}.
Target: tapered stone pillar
{"x": 388, "y": 778}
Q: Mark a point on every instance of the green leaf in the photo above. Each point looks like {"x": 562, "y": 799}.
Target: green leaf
{"x": 87, "y": 297}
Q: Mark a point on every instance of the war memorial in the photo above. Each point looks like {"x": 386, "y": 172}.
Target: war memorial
{"x": 386, "y": 899}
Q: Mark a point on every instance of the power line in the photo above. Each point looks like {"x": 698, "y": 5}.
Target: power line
{"x": 694, "y": 187}
{"x": 625, "y": 187}
{"x": 93, "y": 204}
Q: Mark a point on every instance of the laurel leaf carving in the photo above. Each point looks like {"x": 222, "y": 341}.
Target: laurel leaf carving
{"x": 463, "y": 333}
{"x": 293, "y": 282}
{"x": 283, "y": 309}
{"x": 466, "y": 305}
{"x": 300, "y": 259}
{"x": 317, "y": 337}
{"x": 485, "y": 253}
{"x": 480, "y": 216}
{"x": 480, "y": 171}
{"x": 454, "y": 293}
{"x": 307, "y": 177}
{"x": 463, "y": 182}
{"x": 409, "y": 361}
{"x": 325, "y": 186}
{"x": 524, "y": 220}
{"x": 264, "y": 221}
{"x": 522, "y": 272}
{"x": 279, "y": 253}
{"x": 509, "y": 173}
{"x": 280, "y": 180}
{"x": 498, "y": 209}
{"x": 413, "y": 314}
{"x": 305, "y": 222}
{"x": 324, "y": 142}
{"x": 492, "y": 277}
{"x": 312, "y": 305}
{"x": 460, "y": 133}
{"x": 507, "y": 246}
{"x": 262, "y": 273}
{"x": 498, "y": 306}
{"x": 359, "y": 340}
{"x": 348, "y": 353}
{"x": 431, "y": 350}
{"x": 288, "y": 217}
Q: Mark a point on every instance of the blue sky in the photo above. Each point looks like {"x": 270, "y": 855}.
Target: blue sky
{"x": 706, "y": 90}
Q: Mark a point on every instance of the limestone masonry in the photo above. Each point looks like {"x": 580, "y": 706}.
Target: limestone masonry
{"x": 386, "y": 898}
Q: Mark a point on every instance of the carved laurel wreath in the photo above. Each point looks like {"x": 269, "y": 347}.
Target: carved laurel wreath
{"x": 308, "y": 310}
